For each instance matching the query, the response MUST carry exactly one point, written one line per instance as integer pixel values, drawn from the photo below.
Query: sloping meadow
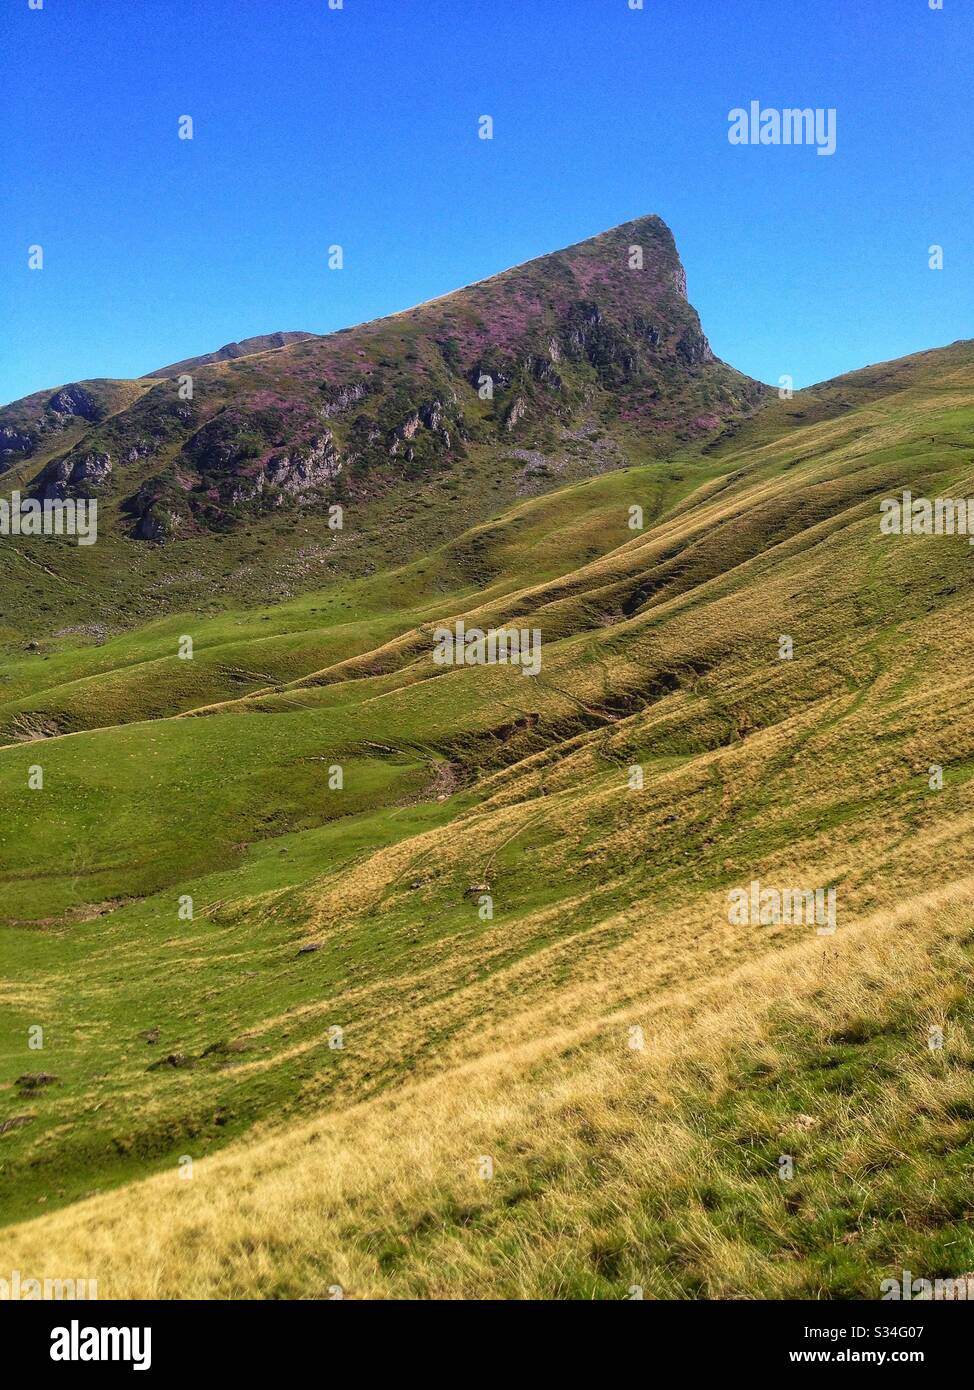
(431, 973)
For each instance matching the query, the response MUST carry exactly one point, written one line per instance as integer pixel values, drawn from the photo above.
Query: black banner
(167, 1338)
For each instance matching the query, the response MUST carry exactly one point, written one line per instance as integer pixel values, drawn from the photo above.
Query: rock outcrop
(73, 400)
(303, 471)
(73, 476)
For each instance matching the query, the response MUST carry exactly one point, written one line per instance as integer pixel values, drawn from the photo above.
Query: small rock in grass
(31, 1080)
(14, 1122)
(174, 1059)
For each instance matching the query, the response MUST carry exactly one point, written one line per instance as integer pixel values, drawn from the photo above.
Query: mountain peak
(641, 243)
(634, 266)
(595, 341)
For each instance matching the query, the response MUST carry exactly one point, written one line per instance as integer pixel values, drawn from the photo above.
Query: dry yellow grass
(384, 1198)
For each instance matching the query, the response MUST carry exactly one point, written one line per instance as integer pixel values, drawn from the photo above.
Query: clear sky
(359, 126)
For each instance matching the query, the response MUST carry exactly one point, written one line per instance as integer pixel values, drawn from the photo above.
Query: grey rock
(516, 413)
(157, 524)
(73, 400)
(302, 471)
(432, 415)
(73, 473)
(341, 399)
(174, 1059)
(14, 442)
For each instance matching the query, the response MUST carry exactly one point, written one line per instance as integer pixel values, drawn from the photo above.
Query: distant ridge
(264, 342)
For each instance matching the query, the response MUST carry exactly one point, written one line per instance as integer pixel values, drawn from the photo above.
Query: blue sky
(359, 127)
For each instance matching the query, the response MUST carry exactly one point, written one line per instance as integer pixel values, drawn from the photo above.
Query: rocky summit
(590, 350)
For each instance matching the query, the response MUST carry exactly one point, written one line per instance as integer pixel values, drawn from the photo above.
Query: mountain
(578, 362)
(247, 347)
(432, 970)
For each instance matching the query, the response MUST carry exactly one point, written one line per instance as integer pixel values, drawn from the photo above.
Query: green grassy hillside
(341, 1032)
